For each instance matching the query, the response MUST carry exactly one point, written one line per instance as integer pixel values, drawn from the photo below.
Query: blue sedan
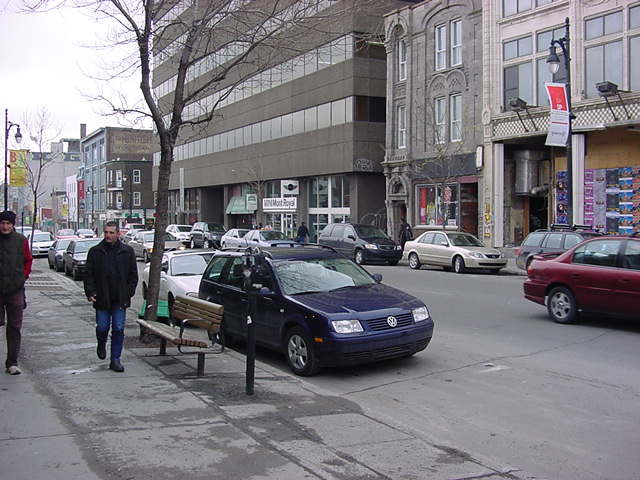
(319, 308)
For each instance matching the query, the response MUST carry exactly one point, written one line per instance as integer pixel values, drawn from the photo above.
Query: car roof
(294, 252)
(186, 253)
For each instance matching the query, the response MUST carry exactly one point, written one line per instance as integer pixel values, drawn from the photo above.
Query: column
(498, 194)
(577, 160)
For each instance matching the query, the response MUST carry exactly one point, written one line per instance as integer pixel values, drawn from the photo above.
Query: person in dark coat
(303, 233)
(405, 233)
(15, 268)
(109, 283)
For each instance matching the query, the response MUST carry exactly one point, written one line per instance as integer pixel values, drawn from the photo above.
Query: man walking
(109, 283)
(15, 268)
(303, 233)
(405, 233)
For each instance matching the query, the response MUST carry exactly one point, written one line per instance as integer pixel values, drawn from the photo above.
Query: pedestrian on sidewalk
(110, 281)
(405, 233)
(302, 234)
(15, 268)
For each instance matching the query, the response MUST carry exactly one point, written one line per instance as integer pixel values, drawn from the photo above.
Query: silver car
(265, 238)
(452, 250)
(142, 244)
(234, 238)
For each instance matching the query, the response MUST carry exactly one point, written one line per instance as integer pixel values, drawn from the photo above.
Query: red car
(599, 275)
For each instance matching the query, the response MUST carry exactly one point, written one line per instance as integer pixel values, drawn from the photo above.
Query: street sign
(558, 134)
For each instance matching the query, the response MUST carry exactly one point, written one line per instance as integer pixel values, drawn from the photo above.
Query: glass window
(553, 240)
(603, 25)
(634, 17)
(533, 240)
(440, 44)
(316, 223)
(310, 62)
(323, 192)
(544, 75)
(246, 135)
(440, 108)
(338, 50)
(456, 42)
(631, 257)
(455, 127)
(338, 231)
(298, 122)
(570, 240)
(603, 253)
(401, 140)
(603, 62)
(136, 176)
(287, 125)
(634, 67)
(265, 130)
(544, 38)
(511, 7)
(518, 82)
(348, 110)
(402, 59)
(338, 112)
(233, 276)
(310, 119)
(324, 115)
(276, 127)
(324, 56)
(427, 238)
(518, 48)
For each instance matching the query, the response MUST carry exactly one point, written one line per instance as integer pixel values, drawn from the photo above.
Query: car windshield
(216, 227)
(63, 244)
(189, 264)
(42, 237)
(242, 233)
(84, 231)
(148, 237)
(320, 275)
(183, 228)
(370, 232)
(65, 232)
(464, 240)
(272, 235)
(83, 247)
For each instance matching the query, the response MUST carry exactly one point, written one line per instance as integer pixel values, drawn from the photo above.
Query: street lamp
(553, 63)
(18, 137)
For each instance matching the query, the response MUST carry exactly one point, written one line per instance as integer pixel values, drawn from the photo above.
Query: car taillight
(518, 251)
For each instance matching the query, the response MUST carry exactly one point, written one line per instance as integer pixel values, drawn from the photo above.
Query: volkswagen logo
(392, 321)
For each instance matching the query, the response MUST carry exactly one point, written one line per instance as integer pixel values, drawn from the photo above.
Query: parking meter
(252, 272)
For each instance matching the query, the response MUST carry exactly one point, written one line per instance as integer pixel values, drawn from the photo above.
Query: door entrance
(538, 213)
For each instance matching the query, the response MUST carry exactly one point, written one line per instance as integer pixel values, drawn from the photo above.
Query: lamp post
(18, 137)
(554, 65)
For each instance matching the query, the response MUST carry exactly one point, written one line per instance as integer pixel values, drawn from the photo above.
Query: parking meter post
(251, 341)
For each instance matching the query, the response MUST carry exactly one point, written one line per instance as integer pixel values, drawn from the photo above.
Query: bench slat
(172, 334)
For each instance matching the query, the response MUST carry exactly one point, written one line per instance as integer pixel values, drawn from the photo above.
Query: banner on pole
(18, 166)
(558, 134)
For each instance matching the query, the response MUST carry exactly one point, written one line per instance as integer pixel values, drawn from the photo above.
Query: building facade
(71, 188)
(301, 140)
(525, 183)
(116, 177)
(434, 80)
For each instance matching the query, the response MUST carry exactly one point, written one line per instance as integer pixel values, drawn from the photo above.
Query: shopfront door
(289, 227)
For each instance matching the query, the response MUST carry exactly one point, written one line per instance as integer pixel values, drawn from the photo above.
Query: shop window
(316, 223)
(319, 192)
(438, 204)
(340, 194)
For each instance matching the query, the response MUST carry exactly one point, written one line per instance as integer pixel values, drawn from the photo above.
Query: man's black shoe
(102, 350)
(116, 366)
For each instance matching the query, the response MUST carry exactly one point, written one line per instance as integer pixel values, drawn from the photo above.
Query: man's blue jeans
(114, 319)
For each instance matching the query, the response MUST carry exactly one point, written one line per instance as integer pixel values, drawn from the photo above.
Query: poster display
(611, 199)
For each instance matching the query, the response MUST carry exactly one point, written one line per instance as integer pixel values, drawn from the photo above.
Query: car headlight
(476, 255)
(347, 326)
(420, 314)
(371, 246)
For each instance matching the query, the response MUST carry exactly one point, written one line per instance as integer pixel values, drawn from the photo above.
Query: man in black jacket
(109, 283)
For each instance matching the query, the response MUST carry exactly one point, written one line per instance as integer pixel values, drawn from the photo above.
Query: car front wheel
(414, 261)
(458, 265)
(301, 356)
(561, 305)
(359, 258)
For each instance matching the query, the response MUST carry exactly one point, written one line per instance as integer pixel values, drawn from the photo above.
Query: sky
(45, 61)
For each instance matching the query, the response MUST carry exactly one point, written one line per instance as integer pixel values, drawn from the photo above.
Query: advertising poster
(635, 173)
(561, 198)
(599, 199)
(589, 204)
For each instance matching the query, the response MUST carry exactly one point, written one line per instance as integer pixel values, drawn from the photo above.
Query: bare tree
(230, 40)
(42, 131)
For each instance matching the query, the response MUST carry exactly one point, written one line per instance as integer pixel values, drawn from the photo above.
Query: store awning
(237, 206)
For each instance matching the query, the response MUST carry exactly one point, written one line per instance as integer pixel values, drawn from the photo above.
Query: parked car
(66, 233)
(264, 238)
(128, 236)
(181, 232)
(319, 308)
(135, 226)
(26, 231)
(41, 243)
(180, 275)
(556, 239)
(142, 244)
(599, 275)
(234, 238)
(459, 251)
(75, 257)
(56, 253)
(85, 233)
(363, 243)
(207, 235)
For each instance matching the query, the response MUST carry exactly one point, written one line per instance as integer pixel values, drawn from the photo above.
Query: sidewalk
(69, 417)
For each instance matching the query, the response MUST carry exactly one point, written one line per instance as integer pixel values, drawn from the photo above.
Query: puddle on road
(70, 347)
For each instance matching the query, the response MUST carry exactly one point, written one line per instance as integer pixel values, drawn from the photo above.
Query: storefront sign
(251, 201)
(290, 187)
(558, 134)
(279, 204)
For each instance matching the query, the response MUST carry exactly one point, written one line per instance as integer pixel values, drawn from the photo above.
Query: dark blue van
(319, 308)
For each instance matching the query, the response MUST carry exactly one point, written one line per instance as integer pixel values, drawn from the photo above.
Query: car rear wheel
(458, 264)
(301, 356)
(414, 261)
(359, 257)
(561, 305)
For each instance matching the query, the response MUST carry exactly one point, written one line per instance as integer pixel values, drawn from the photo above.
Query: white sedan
(41, 243)
(180, 275)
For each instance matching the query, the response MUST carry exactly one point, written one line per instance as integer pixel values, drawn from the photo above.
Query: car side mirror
(351, 237)
(444, 244)
(377, 277)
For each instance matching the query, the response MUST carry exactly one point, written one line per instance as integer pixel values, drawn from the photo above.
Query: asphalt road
(502, 381)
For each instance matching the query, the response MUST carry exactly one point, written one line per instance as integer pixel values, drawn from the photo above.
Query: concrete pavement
(69, 417)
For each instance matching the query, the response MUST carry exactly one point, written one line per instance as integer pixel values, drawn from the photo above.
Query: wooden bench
(205, 316)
